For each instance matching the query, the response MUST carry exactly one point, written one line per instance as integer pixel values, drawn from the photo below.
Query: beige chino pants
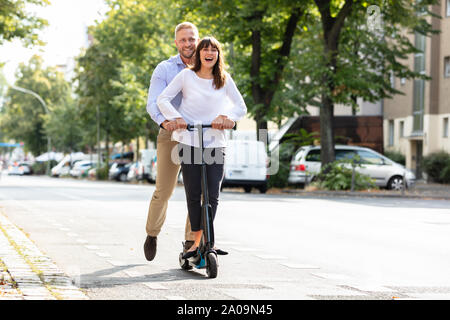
(166, 181)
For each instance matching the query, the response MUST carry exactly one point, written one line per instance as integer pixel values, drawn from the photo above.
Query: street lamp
(34, 94)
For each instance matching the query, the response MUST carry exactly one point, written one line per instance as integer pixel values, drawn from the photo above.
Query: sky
(65, 34)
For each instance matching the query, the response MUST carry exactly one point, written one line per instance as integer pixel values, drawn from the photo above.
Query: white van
(246, 165)
(66, 164)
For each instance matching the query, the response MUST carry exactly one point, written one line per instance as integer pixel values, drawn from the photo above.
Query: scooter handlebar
(191, 127)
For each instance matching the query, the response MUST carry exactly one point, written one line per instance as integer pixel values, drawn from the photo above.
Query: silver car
(306, 163)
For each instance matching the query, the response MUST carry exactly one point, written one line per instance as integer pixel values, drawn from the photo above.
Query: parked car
(81, 168)
(246, 165)
(19, 168)
(68, 162)
(147, 168)
(119, 171)
(306, 164)
(133, 172)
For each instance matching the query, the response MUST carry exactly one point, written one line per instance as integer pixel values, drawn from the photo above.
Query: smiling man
(186, 40)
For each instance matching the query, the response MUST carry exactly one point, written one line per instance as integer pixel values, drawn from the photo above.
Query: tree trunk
(332, 27)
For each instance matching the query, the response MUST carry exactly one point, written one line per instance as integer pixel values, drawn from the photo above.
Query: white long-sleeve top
(201, 103)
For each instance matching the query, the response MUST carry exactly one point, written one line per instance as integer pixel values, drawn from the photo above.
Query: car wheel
(247, 189)
(123, 177)
(263, 188)
(395, 183)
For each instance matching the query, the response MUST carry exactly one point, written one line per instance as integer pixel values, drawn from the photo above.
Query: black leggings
(191, 170)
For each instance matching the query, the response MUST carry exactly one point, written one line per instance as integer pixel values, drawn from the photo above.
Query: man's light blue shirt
(163, 74)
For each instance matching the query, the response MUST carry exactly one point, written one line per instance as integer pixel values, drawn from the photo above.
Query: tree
(358, 62)
(259, 35)
(141, 35)
(96, 71)
(65, 127)
(22, 117)
(15, 22)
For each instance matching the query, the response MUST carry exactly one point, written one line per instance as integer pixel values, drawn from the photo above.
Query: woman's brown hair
(218, 69)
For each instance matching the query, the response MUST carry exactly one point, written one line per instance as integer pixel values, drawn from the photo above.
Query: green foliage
(96, 72)
(279, 180)
(41, 167)
(259, 36)
(102, 172)
(287, 150)
(337, 175)
(437, 166)
(396, 156)
(16, 23)
(23, 117)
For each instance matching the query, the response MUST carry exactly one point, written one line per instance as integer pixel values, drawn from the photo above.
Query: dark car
(119, 171)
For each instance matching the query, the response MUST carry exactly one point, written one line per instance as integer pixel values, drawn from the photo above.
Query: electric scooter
(207, 256)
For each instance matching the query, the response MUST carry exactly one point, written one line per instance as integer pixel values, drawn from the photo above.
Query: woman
(205, 88)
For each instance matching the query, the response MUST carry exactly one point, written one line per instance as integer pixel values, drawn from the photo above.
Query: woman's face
(209, 56)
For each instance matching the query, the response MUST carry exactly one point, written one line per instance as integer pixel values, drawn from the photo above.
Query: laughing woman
(205, 88)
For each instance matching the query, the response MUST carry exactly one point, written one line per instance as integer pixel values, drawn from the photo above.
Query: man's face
(186, 42)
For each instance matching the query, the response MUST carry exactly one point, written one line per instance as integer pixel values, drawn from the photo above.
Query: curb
(27, 273)
(365, 195)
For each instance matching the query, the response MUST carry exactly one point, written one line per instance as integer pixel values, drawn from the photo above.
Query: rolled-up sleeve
(239, 109)
(157, 84)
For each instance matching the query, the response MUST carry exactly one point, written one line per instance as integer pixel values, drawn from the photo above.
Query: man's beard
(186, 56)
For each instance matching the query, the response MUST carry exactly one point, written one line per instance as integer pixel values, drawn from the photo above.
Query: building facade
(417, 123)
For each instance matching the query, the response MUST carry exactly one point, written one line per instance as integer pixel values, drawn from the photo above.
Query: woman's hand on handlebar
(180, 123)
(222, 122)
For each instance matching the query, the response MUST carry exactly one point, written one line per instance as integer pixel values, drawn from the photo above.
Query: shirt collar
(178, 60)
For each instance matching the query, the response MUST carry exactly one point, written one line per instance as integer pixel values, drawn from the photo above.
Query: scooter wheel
(184, 264)
(211, 265)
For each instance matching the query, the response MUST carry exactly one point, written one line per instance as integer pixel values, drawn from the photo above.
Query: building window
(403, 80)
(447, 66)
(402, 129)
(392, 79)
(419, 84)
(391, 132)
(445, 128)
(448, 8)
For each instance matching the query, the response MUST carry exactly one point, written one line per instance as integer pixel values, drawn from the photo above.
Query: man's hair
(186, 25)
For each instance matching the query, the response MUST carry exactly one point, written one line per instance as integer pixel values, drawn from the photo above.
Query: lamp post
(34, 94)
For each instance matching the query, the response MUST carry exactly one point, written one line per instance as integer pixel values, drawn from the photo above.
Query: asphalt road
(281, 246)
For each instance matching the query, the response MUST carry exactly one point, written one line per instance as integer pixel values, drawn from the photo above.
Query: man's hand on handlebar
(222, 122)
(172, 125)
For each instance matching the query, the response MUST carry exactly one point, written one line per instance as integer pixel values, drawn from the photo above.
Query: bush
(437, 166)
(396, 157)
(279, 180)
(102, 173)
(292, 142)
(338, 176)
(41, 167)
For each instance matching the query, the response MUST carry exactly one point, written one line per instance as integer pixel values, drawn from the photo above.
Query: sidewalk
(422, 190)
(26, 273)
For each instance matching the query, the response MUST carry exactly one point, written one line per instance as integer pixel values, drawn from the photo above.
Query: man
(186, 40)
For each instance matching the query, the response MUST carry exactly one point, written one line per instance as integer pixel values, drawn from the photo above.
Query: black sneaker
(150, 248)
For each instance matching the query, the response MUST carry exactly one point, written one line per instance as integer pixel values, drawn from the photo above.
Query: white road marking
(331, 276)
(103, 254)
(175, 298)
(157, 286)
(299, 266)
(73, 234)
(116, 263)
(270, 257)
(92, 247)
